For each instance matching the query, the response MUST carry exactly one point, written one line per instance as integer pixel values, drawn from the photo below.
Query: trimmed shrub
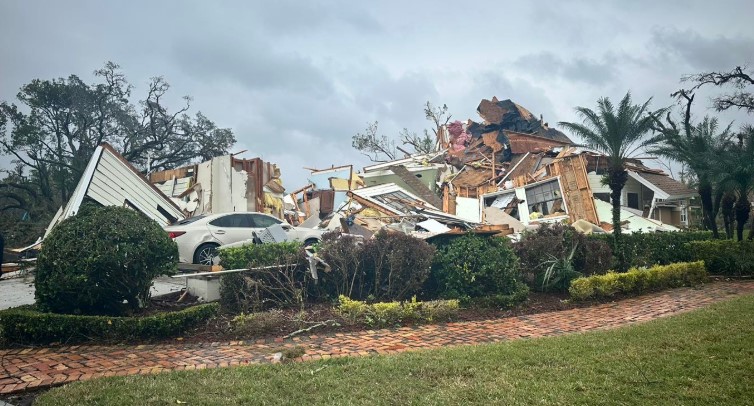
(255, 324)
(285, 284)
(639, 280)
(554, 254)
(95, 261)
(647, 249)
(383, 314)
(29, 326)
(724, 257)
(472, 267)
(390, 266)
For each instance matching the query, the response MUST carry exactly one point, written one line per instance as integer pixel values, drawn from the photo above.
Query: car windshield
(190, 220)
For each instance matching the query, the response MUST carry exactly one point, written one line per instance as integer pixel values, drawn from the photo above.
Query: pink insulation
(459, 137)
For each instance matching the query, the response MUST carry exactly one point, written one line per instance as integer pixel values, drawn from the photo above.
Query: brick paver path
(24, 369)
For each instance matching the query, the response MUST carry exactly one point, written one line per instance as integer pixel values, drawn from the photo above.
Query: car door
(231, 228)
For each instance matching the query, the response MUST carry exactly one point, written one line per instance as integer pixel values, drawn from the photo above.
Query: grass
(699, 358)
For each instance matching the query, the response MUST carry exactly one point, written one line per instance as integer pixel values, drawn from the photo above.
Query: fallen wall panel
(111, 181)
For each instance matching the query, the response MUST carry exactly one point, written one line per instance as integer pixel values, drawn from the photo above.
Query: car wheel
(205, 254)
(310, 242)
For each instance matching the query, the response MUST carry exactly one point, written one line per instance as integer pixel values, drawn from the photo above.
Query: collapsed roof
(110, 180)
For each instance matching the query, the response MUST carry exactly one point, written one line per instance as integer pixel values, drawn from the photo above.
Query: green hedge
(639, 280)
(30, 326)
(724, 257)
(383, 314)
(478, 270)
(647, 249)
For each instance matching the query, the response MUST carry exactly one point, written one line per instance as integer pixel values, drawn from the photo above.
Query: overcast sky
(295, 80)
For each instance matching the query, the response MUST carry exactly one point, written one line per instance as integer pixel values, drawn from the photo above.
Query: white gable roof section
(111, 181)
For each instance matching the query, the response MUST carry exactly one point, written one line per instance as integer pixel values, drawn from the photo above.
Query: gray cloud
(716, 52)
(254, 64)
(295, 80)
(585, 70)
(288, 17)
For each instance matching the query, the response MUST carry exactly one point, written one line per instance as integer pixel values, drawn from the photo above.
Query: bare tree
(738, 78)
(380, 148)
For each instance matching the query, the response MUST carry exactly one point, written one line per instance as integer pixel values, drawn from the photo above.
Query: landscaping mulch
(217, 329)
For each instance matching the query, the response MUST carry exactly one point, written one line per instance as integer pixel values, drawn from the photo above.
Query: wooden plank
(199, 268)
(577, 194)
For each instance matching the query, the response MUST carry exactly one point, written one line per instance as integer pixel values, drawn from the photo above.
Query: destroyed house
(224, 184)
(501, 175)
(651, 200)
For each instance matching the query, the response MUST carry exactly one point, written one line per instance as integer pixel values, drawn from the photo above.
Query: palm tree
(617, 133)
(698, 148)
(738, 174)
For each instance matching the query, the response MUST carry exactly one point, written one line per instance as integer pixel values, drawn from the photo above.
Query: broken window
(545, 198)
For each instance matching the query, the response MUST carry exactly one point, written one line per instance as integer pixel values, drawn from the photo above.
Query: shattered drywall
(224, 184)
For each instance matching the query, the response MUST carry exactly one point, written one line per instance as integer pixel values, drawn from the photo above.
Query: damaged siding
(111, 181)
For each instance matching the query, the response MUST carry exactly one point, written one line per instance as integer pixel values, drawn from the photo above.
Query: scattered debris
(327, 323)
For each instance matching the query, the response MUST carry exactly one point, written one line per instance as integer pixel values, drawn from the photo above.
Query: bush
(724, 257)
(639, 280)
(95, 261)
(30, 326)
(390, 266)
(383, 314)
(285, 284)
(563, 251)
(344, 254)
(473, 267)
(397, 265)
(647, 249)
(256, 324)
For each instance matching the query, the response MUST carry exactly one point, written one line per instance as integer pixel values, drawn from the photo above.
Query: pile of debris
(507, 173)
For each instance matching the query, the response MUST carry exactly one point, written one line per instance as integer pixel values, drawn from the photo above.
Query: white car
(199, 237)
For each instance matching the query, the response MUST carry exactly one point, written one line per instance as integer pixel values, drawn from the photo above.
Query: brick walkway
(24, 369)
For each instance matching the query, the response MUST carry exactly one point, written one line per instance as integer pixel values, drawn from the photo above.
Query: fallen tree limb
(332, 323)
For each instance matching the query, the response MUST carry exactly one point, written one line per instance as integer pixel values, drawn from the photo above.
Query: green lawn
(705, 357)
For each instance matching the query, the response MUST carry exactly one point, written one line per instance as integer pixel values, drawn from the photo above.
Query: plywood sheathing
(576, 190)
(524, 168)
(164, 176)
(522, 143)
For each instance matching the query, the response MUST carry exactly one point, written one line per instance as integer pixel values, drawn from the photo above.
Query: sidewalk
(23, 369)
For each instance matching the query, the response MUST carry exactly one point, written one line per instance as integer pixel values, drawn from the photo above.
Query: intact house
(649, 193)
